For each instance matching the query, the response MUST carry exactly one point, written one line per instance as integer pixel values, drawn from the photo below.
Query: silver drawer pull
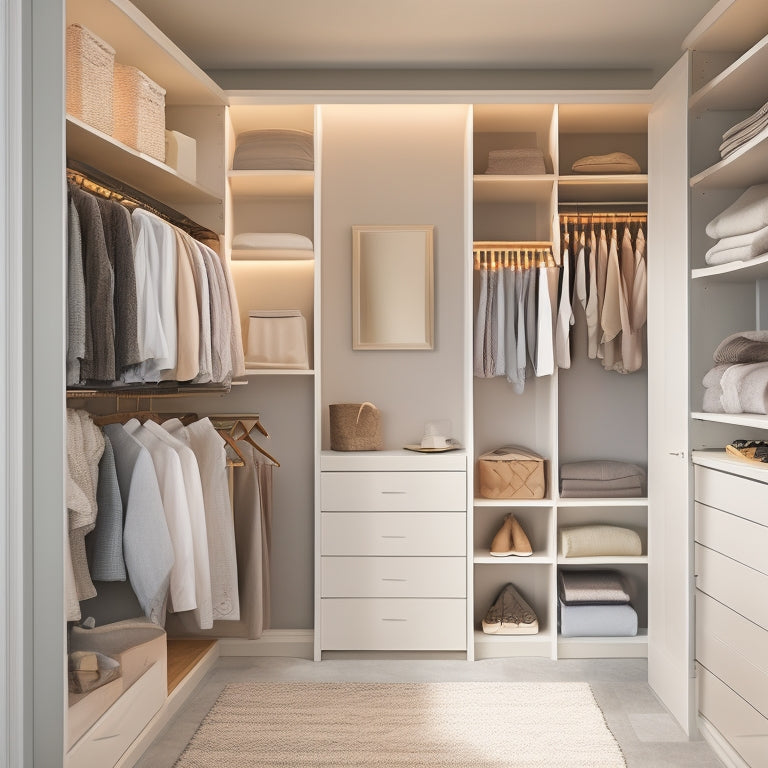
(394, 619)
(392, 536)
(384, 578)
(401, 493)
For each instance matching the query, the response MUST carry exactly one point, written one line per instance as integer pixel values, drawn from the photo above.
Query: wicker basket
(355, 427)
(512, 472)
(139, 111)
(90, 74)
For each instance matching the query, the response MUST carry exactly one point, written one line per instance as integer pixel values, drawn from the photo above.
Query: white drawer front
(118, 727)
(739, 495)
(393, 625)
(736, 537)
(394, 577)
(393, 491)
(745, 729)
(393, 533)
(734, 649)
(741, 588)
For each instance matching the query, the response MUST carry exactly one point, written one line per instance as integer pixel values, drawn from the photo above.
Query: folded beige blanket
(528, 160)
(600, 469)
(614, 162)
(747, 214)
(599, 540)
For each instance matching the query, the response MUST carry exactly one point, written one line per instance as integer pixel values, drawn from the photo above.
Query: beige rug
(377, 725)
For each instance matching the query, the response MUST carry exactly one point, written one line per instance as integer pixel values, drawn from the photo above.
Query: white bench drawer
(393, 491)
(394, 577)
(734, 536)
(741, 588)
(393, 625)
(738, 495)
(393, 534)
(734, 649)
(745, 729)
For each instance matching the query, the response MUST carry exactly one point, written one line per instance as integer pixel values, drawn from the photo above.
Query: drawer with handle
(393, 491)
(393, 533)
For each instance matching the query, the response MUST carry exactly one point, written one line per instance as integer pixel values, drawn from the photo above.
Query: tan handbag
(355, 427)
(512, 472)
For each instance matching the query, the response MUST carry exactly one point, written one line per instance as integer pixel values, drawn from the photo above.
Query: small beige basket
(90, 75)
(139, 105)
(355, 427)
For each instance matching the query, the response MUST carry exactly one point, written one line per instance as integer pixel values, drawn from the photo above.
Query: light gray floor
(648, 736)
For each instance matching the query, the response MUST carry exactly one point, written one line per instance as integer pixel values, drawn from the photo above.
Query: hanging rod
(103, 185)
(517, 245)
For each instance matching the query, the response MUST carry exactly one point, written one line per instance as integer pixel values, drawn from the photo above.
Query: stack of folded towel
(595, 604)
(528, 160)
(600, 541)
(742, 132)
(600, 479)
(741, 230)
(738, 382)
(613, 162)
(271, 245)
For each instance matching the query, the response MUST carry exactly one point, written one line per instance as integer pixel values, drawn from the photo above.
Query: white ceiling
(428, 34)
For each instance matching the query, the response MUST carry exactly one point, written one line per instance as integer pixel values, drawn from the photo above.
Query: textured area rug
(378, 725)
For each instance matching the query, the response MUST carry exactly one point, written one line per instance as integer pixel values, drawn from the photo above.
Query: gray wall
(389, 165)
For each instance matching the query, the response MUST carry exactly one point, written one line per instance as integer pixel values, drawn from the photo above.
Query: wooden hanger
(246, 438)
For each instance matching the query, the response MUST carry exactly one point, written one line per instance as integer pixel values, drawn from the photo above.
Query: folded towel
(745, 388)
(614, 162)
(714, 375)
(711, 402)
(600, 469)
(748, 213)
(743, 347)
(594, 587)
(528, 160)
(597, 620)
(271, 245)
(753, 118)
(602, 493)
(618, 483)
(274, 150)
(599, 540)
(742, 132)
(738, 247)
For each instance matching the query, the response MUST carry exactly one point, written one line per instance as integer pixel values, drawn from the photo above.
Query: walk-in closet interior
(574, 309)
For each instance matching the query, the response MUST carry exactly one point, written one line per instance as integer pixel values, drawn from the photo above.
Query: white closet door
(669, 507)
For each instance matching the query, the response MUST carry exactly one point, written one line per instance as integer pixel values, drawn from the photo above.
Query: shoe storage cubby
(580, 413)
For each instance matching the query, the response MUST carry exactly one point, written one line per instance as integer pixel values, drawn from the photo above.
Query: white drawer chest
(392, 560)
(731, 567)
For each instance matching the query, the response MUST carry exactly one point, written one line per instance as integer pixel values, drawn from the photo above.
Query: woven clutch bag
(512, 472)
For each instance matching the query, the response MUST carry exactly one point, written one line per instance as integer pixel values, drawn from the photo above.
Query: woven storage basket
(90, 74)
(355, 427)
(139, 111)
(511, 472)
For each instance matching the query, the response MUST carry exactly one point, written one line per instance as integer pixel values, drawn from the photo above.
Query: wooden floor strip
(183, 654)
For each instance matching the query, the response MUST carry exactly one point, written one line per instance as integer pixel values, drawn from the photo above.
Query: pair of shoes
(510, 615)
(511, 540)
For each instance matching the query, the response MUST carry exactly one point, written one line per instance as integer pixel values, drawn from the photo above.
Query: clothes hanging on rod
(147, 303)
(153, 508)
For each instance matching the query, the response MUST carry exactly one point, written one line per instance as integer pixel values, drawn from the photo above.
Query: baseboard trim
(719, 745)
(292, 643)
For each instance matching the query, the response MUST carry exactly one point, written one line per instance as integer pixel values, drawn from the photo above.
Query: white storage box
(139, 105)
(277, 338)
(181, 154)
(90, 75)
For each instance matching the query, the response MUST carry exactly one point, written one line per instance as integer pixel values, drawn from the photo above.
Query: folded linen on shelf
(599, 540)
(618, 484)
(742, 132)
(274, 150)
(526, 160)
(597, 620)
(613, 162)
(745, 388)
(738, 247)
(743, 347)
(596, 587)
(600, 469)
(712, 389)
(271, 245)
(602, 493)
(749, 213)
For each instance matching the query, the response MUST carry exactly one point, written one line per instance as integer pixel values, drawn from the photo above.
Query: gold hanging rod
(508, 245)
(98, 183)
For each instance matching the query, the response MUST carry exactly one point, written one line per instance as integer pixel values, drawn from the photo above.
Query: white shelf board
(735, 271)
(482, 557)
(500, 646)
(94, 148)
(482, 502)
(603, 647)
(742, 168)
(729, 26)
(603, 560)
(631, 187)
(279, 372)
(272, 183)
(498, 188)
(631, 501)
(512, 118)
(139, 43)
(726, 463)
(743, 85)
(739, 419)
